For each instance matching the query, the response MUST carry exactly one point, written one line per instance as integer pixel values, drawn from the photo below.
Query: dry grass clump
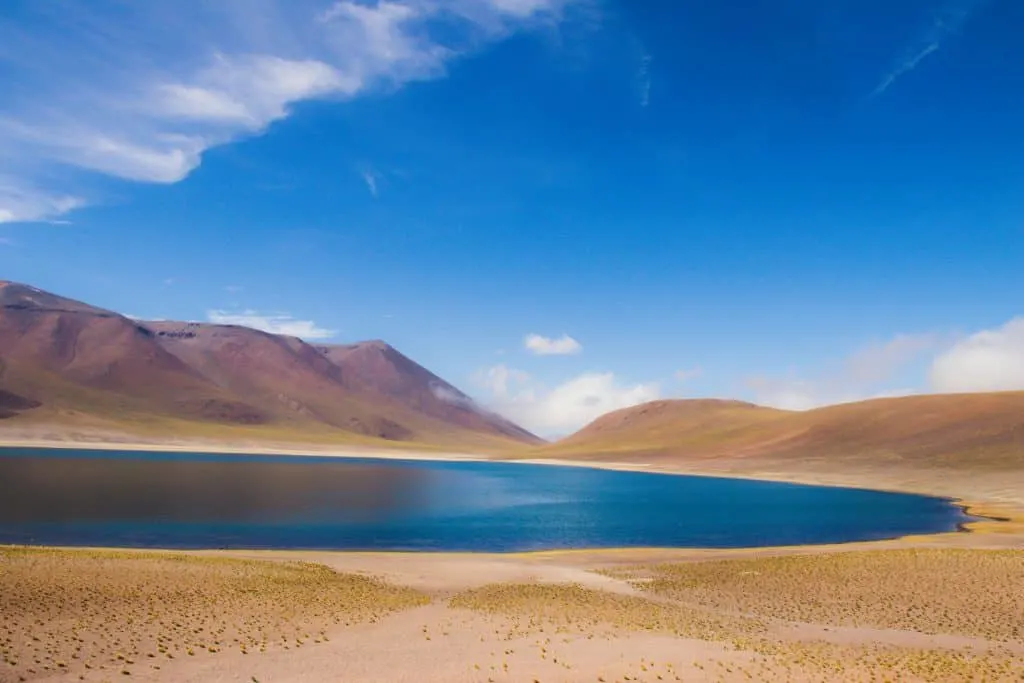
(86, 611)
(553, 610)
(883, 662)
(964, 592)
(571, 607)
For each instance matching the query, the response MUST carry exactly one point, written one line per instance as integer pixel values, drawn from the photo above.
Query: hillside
(872, 442)
(63, 362)
(695, 424)
(376, 368)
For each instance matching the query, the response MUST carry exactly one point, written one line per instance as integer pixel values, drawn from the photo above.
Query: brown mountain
(65, 354)
(62, 359)
(694, 423)
(376, 368)
(937, 435)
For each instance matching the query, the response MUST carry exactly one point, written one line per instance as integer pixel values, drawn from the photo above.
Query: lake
(196, 500)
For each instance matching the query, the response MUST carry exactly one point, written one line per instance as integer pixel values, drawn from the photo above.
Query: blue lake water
(195, 500)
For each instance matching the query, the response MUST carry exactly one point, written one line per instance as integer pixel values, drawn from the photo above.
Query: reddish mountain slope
(376, 368)
(59, 351)
(64, 357)
(283, 376)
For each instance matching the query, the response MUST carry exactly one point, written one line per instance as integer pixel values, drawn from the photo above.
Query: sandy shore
(190, 446)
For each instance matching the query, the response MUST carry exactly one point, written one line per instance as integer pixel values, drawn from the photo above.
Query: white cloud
(990, 360)
(498, 378)
(274, 323)
(248, 91)
(25, 202)
(452, 396)
(140, 91)
(563, 409)
(521, 8)
(865, 374)
(546, 346)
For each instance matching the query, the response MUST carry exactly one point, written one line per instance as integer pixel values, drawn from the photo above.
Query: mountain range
(70, 368)
(66, 362)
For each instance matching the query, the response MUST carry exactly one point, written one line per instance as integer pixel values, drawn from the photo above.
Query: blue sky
(786, 201)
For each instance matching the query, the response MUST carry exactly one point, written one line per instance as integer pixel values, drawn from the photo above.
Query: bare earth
(947, 607)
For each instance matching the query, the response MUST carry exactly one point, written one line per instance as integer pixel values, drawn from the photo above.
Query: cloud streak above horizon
(139, 91)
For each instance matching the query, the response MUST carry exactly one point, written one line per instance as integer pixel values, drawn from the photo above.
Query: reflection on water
(102, 489)
(54, 497)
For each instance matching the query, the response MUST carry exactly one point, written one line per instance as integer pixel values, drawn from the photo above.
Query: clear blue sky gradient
(751, 188)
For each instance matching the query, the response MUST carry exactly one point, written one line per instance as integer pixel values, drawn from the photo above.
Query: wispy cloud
(982, 361)
(370, 178)
(139, 91)
(274, 323)
(947, 21)
(547, 346)
(866, 373)
(644, 80)
(904, 67)
(500, 380)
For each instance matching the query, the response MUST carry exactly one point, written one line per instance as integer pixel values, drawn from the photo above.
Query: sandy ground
(92, 616)
(942, 608)
(948, 607)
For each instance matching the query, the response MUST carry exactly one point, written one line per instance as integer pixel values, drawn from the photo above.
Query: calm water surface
(196, 500)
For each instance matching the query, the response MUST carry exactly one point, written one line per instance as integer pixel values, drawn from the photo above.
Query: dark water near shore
(165, 500)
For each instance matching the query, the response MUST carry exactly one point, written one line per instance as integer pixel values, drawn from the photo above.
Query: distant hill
(909, 436)
(63, 361)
